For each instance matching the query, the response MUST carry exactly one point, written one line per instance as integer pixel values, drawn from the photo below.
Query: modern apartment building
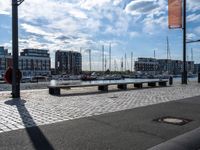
(68, 62)
(32, 62)
(147, 65)
(162, 66)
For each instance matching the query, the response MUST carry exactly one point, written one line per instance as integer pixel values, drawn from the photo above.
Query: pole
(125, 61)
(131, 61)
(122, 66)
(103, 58)
(184, 74)
(105, 63)
(110, 57)
(191, 54)
(154, 62)
(90, 60)
(15, 83)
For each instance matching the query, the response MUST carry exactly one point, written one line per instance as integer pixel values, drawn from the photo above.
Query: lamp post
(15, 83)
(184, 74)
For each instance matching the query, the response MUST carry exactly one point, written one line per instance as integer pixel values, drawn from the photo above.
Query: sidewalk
(47, 109)
(132, 129)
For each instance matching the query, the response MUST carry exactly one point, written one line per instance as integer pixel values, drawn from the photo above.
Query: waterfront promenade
(114, 120)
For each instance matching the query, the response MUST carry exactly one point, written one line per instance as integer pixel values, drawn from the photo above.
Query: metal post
(15, 83)
(131, 61)
(184, 74)
(90, 60)
(110, 57)
(154, 54)
(103, 58)
(125, 61)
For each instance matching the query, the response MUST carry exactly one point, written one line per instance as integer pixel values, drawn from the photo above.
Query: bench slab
(55, 90)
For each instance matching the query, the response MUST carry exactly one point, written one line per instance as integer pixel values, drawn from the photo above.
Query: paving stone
(41, 108)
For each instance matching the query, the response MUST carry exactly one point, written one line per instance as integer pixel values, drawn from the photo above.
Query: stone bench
(55, 90)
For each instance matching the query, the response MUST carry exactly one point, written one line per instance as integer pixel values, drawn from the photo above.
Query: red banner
(175, 14)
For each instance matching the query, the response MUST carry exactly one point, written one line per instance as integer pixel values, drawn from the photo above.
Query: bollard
(170, 80)
(199, 77)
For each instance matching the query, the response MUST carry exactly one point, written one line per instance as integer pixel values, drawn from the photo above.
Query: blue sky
(138, 26)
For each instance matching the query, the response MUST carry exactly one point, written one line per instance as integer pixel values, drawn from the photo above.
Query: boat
(88, 78)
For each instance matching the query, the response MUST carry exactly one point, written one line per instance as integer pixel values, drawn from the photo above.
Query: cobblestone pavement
(37, 107)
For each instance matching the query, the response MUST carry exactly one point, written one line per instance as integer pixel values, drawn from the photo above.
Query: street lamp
(184, 75)
(15, 81)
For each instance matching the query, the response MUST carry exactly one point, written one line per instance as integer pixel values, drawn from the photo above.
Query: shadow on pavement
(38, 139)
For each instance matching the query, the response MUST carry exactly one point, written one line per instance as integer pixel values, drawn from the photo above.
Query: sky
(138, 26)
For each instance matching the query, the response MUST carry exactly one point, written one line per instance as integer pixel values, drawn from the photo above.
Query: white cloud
(191, 36)
(34, 29)
(193, 5)
(90, 4)
(139, 7)
(5, 7)
(193, 17)
(152, 12)
(134, 34)
(117, 2)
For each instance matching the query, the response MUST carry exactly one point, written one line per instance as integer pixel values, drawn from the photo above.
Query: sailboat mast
(131, 61)
(191, 54)
(125, 61)
(90, 60)
(103, 58)
(110, 57)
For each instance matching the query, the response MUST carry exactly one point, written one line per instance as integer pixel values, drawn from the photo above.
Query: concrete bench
(55, 90)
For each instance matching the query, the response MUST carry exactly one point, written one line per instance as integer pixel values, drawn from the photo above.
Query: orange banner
(175, 14)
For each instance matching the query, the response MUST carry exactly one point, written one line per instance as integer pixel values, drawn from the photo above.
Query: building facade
(5, 60)
(147, 65)
(35, 62)
(196, 68)
(162, 66)
(68, 62)
(32, 62)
